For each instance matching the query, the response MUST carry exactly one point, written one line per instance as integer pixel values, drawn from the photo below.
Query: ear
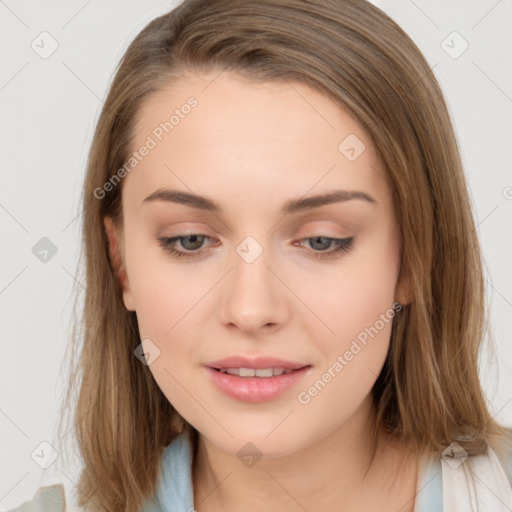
(404, 288)
(115, 249)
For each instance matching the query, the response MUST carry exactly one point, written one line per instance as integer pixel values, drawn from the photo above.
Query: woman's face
(261, 278)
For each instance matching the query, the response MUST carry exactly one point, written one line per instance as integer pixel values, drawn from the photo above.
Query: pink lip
(257, 363)
(255, 389)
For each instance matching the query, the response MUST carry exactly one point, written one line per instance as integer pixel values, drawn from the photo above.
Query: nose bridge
(253, 298)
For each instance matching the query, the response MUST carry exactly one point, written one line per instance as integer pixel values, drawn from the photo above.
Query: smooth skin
(251, 148)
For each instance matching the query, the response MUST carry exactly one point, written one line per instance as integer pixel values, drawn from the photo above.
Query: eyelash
(343, 245)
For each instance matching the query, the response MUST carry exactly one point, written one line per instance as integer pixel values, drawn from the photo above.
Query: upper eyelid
(338, 247)
(177, 238)
(316, 231)
(198, 233)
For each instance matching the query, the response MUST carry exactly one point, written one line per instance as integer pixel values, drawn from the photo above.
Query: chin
(259, 440)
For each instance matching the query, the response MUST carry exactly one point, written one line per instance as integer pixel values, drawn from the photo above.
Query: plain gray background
(49, 109)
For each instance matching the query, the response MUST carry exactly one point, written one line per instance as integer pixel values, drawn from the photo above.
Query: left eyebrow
(336, 196)
(290, 207)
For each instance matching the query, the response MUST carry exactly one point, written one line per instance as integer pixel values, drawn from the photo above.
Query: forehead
(220, 135)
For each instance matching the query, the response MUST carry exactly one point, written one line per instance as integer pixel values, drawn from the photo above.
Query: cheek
(353, 320)
(164, 304)
(163, 292)
(351, 298)
(165, 314)
(357, 342)
(353, 354)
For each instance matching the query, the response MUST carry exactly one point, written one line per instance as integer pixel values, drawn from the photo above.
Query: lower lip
(256, 389)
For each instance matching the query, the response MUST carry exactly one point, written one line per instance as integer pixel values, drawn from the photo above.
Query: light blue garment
(429, 491)
(175, 494)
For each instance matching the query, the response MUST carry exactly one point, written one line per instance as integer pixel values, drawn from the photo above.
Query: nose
(253, 297)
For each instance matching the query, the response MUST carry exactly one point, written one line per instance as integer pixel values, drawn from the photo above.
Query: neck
(337, 468)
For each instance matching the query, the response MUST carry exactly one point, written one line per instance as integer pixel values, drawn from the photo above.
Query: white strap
(475, 484)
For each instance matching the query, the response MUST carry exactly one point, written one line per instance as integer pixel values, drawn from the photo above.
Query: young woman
(284, 303)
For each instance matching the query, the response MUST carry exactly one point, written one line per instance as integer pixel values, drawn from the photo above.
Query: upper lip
(257, 363)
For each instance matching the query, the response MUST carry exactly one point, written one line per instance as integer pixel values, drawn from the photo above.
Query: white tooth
(247, 372)
(267, 372)
(250, 372)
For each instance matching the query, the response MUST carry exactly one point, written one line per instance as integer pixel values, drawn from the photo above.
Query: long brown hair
(428, 393)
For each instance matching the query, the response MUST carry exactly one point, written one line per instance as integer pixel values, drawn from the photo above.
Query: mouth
(253, 385)
(263, 373)
(255, 366)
